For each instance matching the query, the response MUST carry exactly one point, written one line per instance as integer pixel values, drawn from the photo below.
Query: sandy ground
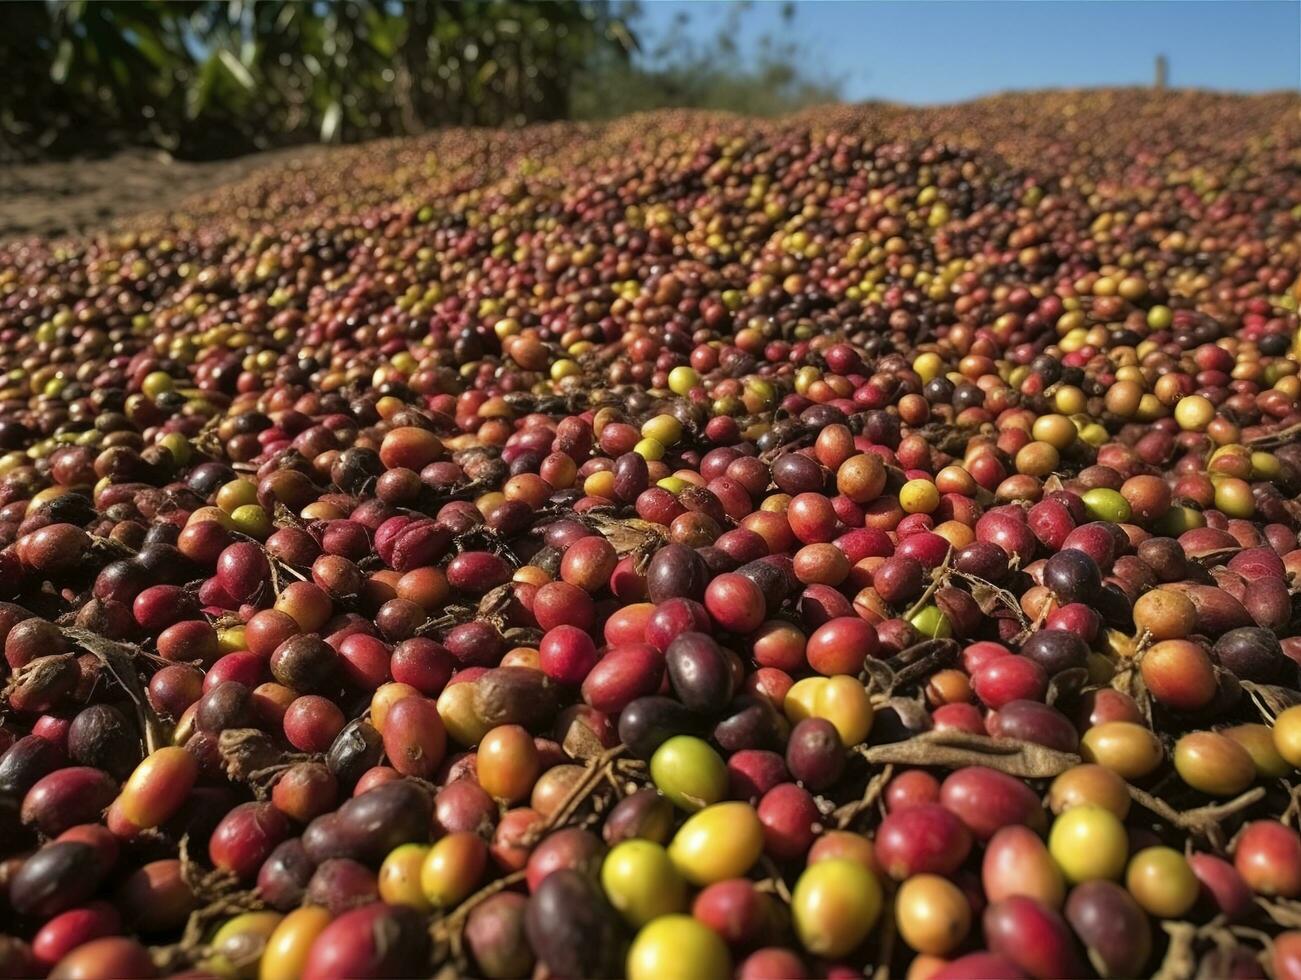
(69, 197)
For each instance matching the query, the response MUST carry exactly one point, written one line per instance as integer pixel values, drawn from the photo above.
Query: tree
(683, 69)
(221, 77)
(215, 77)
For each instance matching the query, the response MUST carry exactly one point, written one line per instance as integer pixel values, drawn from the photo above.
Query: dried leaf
(110, 547)
(580, 742)
(452, 615)
(522, 636)
(879, 676)
(282, 516)
(629, 534)
(941, 650)
(946, 438)
(206, 440)
(911, 711)
(493, 606)
(1130, 681)
(1270, 699)
(1285, 912)
(993, 600)
(548, 559)
(119, 659)
(954, 750)
(643, 553)
(1213, 557)
(251, 756)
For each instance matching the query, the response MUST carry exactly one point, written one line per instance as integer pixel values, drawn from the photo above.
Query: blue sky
(930, 51)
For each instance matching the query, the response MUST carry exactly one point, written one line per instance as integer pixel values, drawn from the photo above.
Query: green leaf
(196, 97)
(236, 70)
(148, 45)
(59, 69)
(330, 122)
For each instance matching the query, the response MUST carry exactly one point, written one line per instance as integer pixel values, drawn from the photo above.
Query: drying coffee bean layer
(863, 543)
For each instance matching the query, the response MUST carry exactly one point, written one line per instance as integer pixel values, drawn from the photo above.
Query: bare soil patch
(74, 196)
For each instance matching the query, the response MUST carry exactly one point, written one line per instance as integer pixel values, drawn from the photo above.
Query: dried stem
(938, 579)
(447, 928)
(1204, 820)
(578, 793)
(774, 876)
(847, 814)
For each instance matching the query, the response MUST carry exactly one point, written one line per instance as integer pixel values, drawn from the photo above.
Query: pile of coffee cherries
(860, 544)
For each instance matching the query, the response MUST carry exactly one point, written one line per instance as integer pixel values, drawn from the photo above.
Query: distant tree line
(204, 78)
(685, 67)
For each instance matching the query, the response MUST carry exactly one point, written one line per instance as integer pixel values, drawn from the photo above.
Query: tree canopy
(220, 77)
